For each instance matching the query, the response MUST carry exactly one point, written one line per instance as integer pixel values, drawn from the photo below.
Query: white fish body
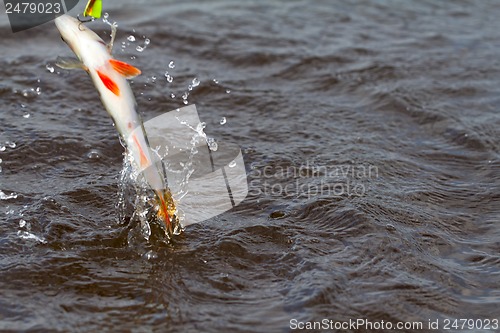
(110, 79)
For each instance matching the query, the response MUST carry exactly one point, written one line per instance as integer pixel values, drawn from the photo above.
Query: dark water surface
(370, 132)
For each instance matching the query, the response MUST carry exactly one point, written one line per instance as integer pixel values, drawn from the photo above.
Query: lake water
(370, 132)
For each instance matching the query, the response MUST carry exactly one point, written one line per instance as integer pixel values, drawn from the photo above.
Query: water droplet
(172, 95)
(200, 127)
(139, 48)
(11, 144)
(171, 64)
(22, 223)
(146, 42)
(132, 57)
(2, 148)
(222, 120)
(28, 92)
(93, 154)
(169, 77)
(228, 91)
(26, 115)
(131, 38)
(185, 95)
(38, 90)
(232, 164)
(216, 81)
(105, 16)
(153, 79)
(150, 255)
(196, 82)
(190, 87)
(50, 68)
(212, 144)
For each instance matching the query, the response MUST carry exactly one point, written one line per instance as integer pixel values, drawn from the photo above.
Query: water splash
(4, 196)
(171, 64)
(169, 77)
(222, 121)
(25, 232)
(7, 144)
(31, 92)
(185, 97)
(28, 235)
(105, 18)
(139, 48)
(137, 208)
(212, 144)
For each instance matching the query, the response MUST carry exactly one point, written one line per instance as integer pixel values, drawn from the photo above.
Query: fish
(110, 76)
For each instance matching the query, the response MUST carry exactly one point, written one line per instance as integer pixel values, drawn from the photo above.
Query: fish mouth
(65, 22)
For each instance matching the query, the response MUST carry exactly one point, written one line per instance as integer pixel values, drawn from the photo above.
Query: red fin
(144, 162)
(163, 211)
(110, 84)
(124, 69)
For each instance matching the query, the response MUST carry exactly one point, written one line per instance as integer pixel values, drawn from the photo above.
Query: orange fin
(124, 69)
(163, 211)
(144, 162)
(110, 84)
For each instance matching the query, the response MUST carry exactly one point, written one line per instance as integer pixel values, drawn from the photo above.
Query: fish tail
(166, 209)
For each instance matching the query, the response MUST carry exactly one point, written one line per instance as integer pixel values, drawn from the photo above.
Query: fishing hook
(91, 19)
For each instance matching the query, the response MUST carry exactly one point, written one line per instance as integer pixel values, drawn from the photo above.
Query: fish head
(74, 33)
